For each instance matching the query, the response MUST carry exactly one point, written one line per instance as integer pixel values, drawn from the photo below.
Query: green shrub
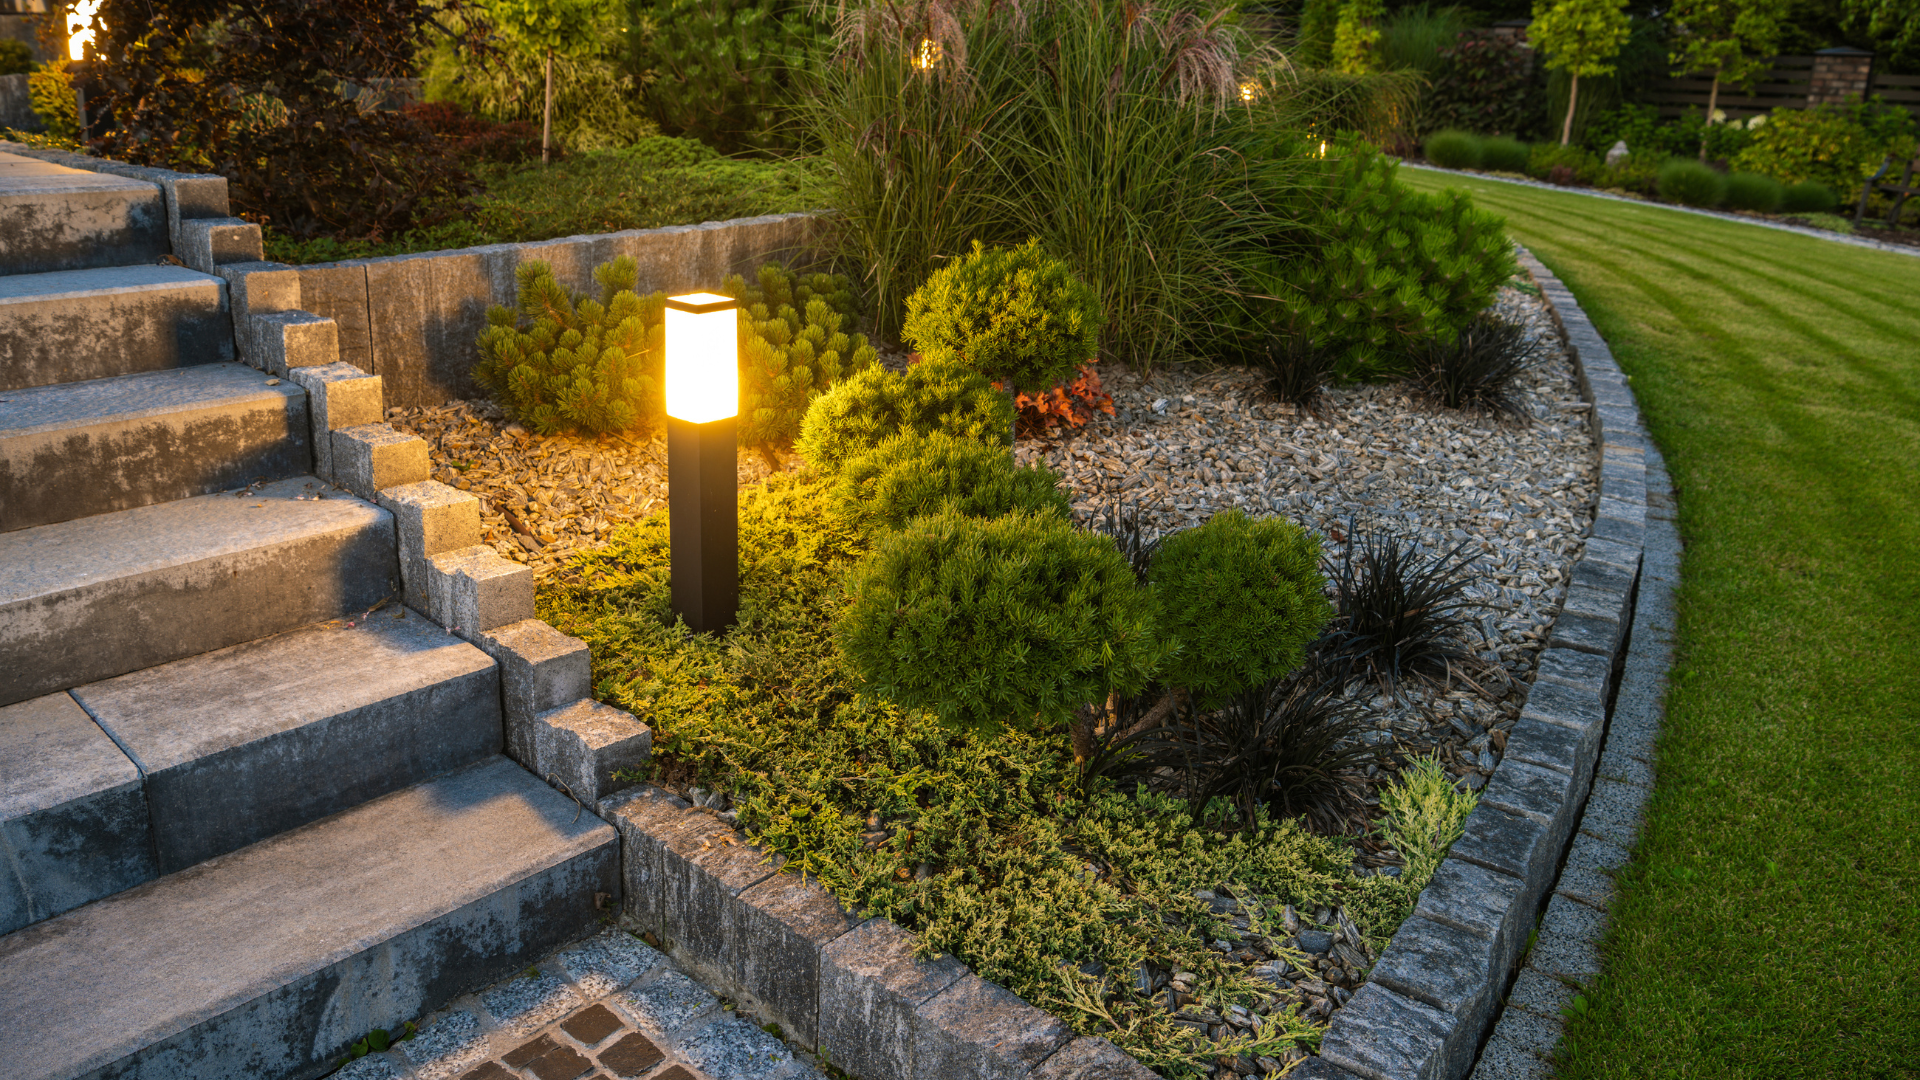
(1390, 267)
(1690, 183)
(1017, 315)
(1751, 191)
(724, 72)
(556, 364)
(1243, 596)
(1503, 153)
(915, 475)
(50, 92)
(665, 152)
(1836, 145)
(1637, 172)
(1580, 165)
(875, 405)
(16, 57)
(1809, 197)
(1453, 149)
(1012, 622)
(791, 348)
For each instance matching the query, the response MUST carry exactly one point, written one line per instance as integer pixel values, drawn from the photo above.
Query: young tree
(1734, 39)
(546, 27)
(1357, 37)
(1580, 37)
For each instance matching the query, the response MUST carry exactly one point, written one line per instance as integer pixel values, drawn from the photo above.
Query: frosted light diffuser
(703, 357)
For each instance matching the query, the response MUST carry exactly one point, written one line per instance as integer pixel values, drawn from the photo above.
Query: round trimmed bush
(861, 412)
(1453, 149)
(917, 475)
(1016, 621)
(1017, 315)
(1751, 191)
(1690, 183)
(1503, 153)
(1809, 197)
(1244, 598)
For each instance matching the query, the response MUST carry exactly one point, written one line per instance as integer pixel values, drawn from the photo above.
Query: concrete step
(76, 325)
(77, 449)
(56, 218)
(85, 600)
(267, 962)
(245, 742)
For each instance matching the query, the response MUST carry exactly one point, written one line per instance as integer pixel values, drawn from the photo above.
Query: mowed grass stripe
(1770, 923)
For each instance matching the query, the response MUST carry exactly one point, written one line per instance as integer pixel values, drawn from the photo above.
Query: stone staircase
(258, 676)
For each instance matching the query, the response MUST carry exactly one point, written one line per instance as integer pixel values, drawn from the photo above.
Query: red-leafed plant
(476, 138)
(1069, 403)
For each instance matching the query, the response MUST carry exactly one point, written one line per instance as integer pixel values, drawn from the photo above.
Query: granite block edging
(834, 981)
(1443, 983)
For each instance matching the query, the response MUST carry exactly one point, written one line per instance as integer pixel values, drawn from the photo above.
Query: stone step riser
(90, 599)
(52, 218)
(268, 962)
(73, 451)
(93, 324)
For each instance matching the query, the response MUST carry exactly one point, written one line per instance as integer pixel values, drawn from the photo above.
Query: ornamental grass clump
(1009, 623)
(555, 364)
(1400, 613)
(1809, 197)
(1504, 153)
(876, 404)
(1298, 369)
(1453, 149)
(1017, 315)
(1751, 191)
(917, 475)
(1243, 597)
(792, 348)
(1480, 369)
(1690, 183)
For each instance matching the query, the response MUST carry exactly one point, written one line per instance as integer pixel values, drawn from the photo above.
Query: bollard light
(703, 403)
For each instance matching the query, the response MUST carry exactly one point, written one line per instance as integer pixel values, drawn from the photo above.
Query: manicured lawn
(1770, 925)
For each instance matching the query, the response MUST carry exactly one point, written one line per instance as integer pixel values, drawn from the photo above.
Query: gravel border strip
(1804, 230)
(1441, 983)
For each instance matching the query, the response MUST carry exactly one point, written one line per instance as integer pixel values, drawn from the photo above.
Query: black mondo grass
(1297, 369)
(1399, 613)
(1290, 744)
(1124, 523)
(1480, 369)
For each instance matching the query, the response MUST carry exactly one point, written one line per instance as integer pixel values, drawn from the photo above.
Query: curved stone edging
(1441, 981)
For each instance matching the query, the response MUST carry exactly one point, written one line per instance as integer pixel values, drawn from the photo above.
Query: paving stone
(870, 988)
(338, 396)
(1090, 1057)
(1504, 1059)
(1530, 791)
(1619, 766)
(1569, 940)
(525, 1005)
(492, 1070)
(1586, 633)
(530, 1050)
(647, 818)
(1594, 888)
(1584, 672)
(1613, 553)
(1615, 812)
(429, 518)
(1600, 602)
(630, 1056)
(703, 867)
(448, 1047)
(582, 745)
(975, 1028)
(291, 340)
(560, 1063)
(1513, 845)
(473, 589)
(676, 1072)
(1549, 746)
(608, 962)
(1382, 1034)
(541, 669)
(371, 1067)
(777, 932)
(1538, 993)
(592, 1025)
(1479, 901)
(1593, 853)
(372, 457)
(732, 1049)
(669, 1002)
(1444, 966)
(1630, 533)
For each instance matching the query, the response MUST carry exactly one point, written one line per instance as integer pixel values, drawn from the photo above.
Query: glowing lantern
(703, 404)
(80, 28)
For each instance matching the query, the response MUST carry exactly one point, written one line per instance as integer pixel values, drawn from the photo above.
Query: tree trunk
(1713, 99)
(546, 116)
(1573, 98)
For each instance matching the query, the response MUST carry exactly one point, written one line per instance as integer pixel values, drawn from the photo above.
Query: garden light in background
(703, 405)
(80, 28)
(926, 54)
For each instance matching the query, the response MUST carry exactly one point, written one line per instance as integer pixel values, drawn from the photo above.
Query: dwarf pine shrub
(875, 405)
(1243, 596)
(792, 347)
(916, 475)
(1013, 622)
(555, 363)
(1018, 315)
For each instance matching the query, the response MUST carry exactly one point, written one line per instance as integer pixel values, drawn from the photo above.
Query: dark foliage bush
(1017, 315)
(1751, 191)
(1453, 149)
(1690, 183)
(1503, 153)
(1243, 597)
(1480, 369)
(1014, 622)
(475, 138)
(1400, 613)
(1809, 197)
(916, 475)
(1298, 369)
(1486, 83)
(792, 348)
(725, 72)
(253, 92)
(876, 404)
(1287, 745)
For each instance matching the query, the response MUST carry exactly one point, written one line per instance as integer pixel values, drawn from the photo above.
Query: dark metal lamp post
(703, 405)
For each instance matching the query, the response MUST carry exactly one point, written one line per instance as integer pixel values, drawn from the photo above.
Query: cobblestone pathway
(608, 1007)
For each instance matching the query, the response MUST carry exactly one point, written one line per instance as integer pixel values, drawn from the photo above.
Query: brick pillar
(1839, 74)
